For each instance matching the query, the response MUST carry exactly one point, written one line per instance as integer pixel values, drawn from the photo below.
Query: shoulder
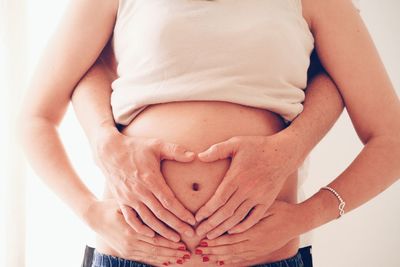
(315, 11)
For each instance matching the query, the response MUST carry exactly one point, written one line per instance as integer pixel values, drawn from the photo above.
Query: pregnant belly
(197, 125)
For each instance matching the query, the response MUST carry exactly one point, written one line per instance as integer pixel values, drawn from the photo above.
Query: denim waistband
(295, 261)
(103, 260)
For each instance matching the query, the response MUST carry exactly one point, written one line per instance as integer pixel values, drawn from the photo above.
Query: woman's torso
(200, 72)
(197, 125)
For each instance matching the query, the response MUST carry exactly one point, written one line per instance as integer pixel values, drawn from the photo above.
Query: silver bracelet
(341, 204)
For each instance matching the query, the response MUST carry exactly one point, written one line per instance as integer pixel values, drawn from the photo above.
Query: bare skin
(373, 113)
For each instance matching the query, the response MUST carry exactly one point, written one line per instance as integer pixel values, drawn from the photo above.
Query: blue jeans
(94, 258)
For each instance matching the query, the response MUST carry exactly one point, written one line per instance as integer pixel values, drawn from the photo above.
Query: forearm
(92, 101)
(373, 170)
(322, 107)
(48, 158)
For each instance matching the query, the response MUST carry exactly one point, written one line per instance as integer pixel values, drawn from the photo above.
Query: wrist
(294, 139)
(89, 214)
(318, 210)
(105, 134)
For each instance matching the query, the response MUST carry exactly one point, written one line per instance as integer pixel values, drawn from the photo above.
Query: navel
(195, 187)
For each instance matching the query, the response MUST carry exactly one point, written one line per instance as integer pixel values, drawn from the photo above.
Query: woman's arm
(80, 36)
(349, 55)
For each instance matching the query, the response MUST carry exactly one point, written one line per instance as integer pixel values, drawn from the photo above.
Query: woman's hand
(107, 220)
(280, 224)
(259, 168)
(132, 168)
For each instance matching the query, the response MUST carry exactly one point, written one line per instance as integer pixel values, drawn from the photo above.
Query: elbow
(23, 129)
(29, 128)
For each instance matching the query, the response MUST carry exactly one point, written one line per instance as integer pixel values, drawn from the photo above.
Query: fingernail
(221, 262)
(186, 256)
(205, 258)
(191, 221)
(211, 236)
(189, 153)
(198, 251)
(199, 218)
(203, 244)
(165, 264)
(182, 248)
(175, 238)
(179, 261)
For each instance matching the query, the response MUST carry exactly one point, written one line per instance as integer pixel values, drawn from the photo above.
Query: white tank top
(253, 52)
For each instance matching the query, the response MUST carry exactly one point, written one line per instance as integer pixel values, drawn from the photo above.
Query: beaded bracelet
(341, 204)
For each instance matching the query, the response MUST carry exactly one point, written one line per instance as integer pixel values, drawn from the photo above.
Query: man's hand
(105, 218)
(280, 224)
(132, 168)
(259, 168)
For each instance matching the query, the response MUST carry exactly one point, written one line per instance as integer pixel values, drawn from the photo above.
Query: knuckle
(161, 213)
(167, 202)
(155, 142)
(141, 229)
(235, 139)
(141, 209)
(156, 241)
(173, 147)
(227, 212)
(212, 223)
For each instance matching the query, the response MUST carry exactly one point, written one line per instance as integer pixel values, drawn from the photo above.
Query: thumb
(176, 152)
(219, 151)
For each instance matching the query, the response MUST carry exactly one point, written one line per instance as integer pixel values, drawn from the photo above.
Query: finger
(155, 260)
(219, 151)
(162, 242)
(133, 221)
(237, 217)
(232, 249)
(224, 191)
(175, 152)
(254, 217)
(167, 217)
(162, 251)
(148, 218)
(169, 201)
(227, 239)
(225, 212)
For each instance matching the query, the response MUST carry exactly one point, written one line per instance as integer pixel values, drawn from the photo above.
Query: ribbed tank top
(253, 52)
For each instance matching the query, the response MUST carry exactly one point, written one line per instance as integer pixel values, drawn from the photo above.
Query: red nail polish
(205, 258)
(165, 264)
(179, 261)
(198, 251)
(186, 256)
(181, 248)
(203, 244)
(221, 262)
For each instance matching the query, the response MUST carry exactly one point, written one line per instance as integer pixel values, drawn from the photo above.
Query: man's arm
(323, 105)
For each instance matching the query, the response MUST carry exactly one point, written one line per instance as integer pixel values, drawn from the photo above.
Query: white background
(367, 237)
